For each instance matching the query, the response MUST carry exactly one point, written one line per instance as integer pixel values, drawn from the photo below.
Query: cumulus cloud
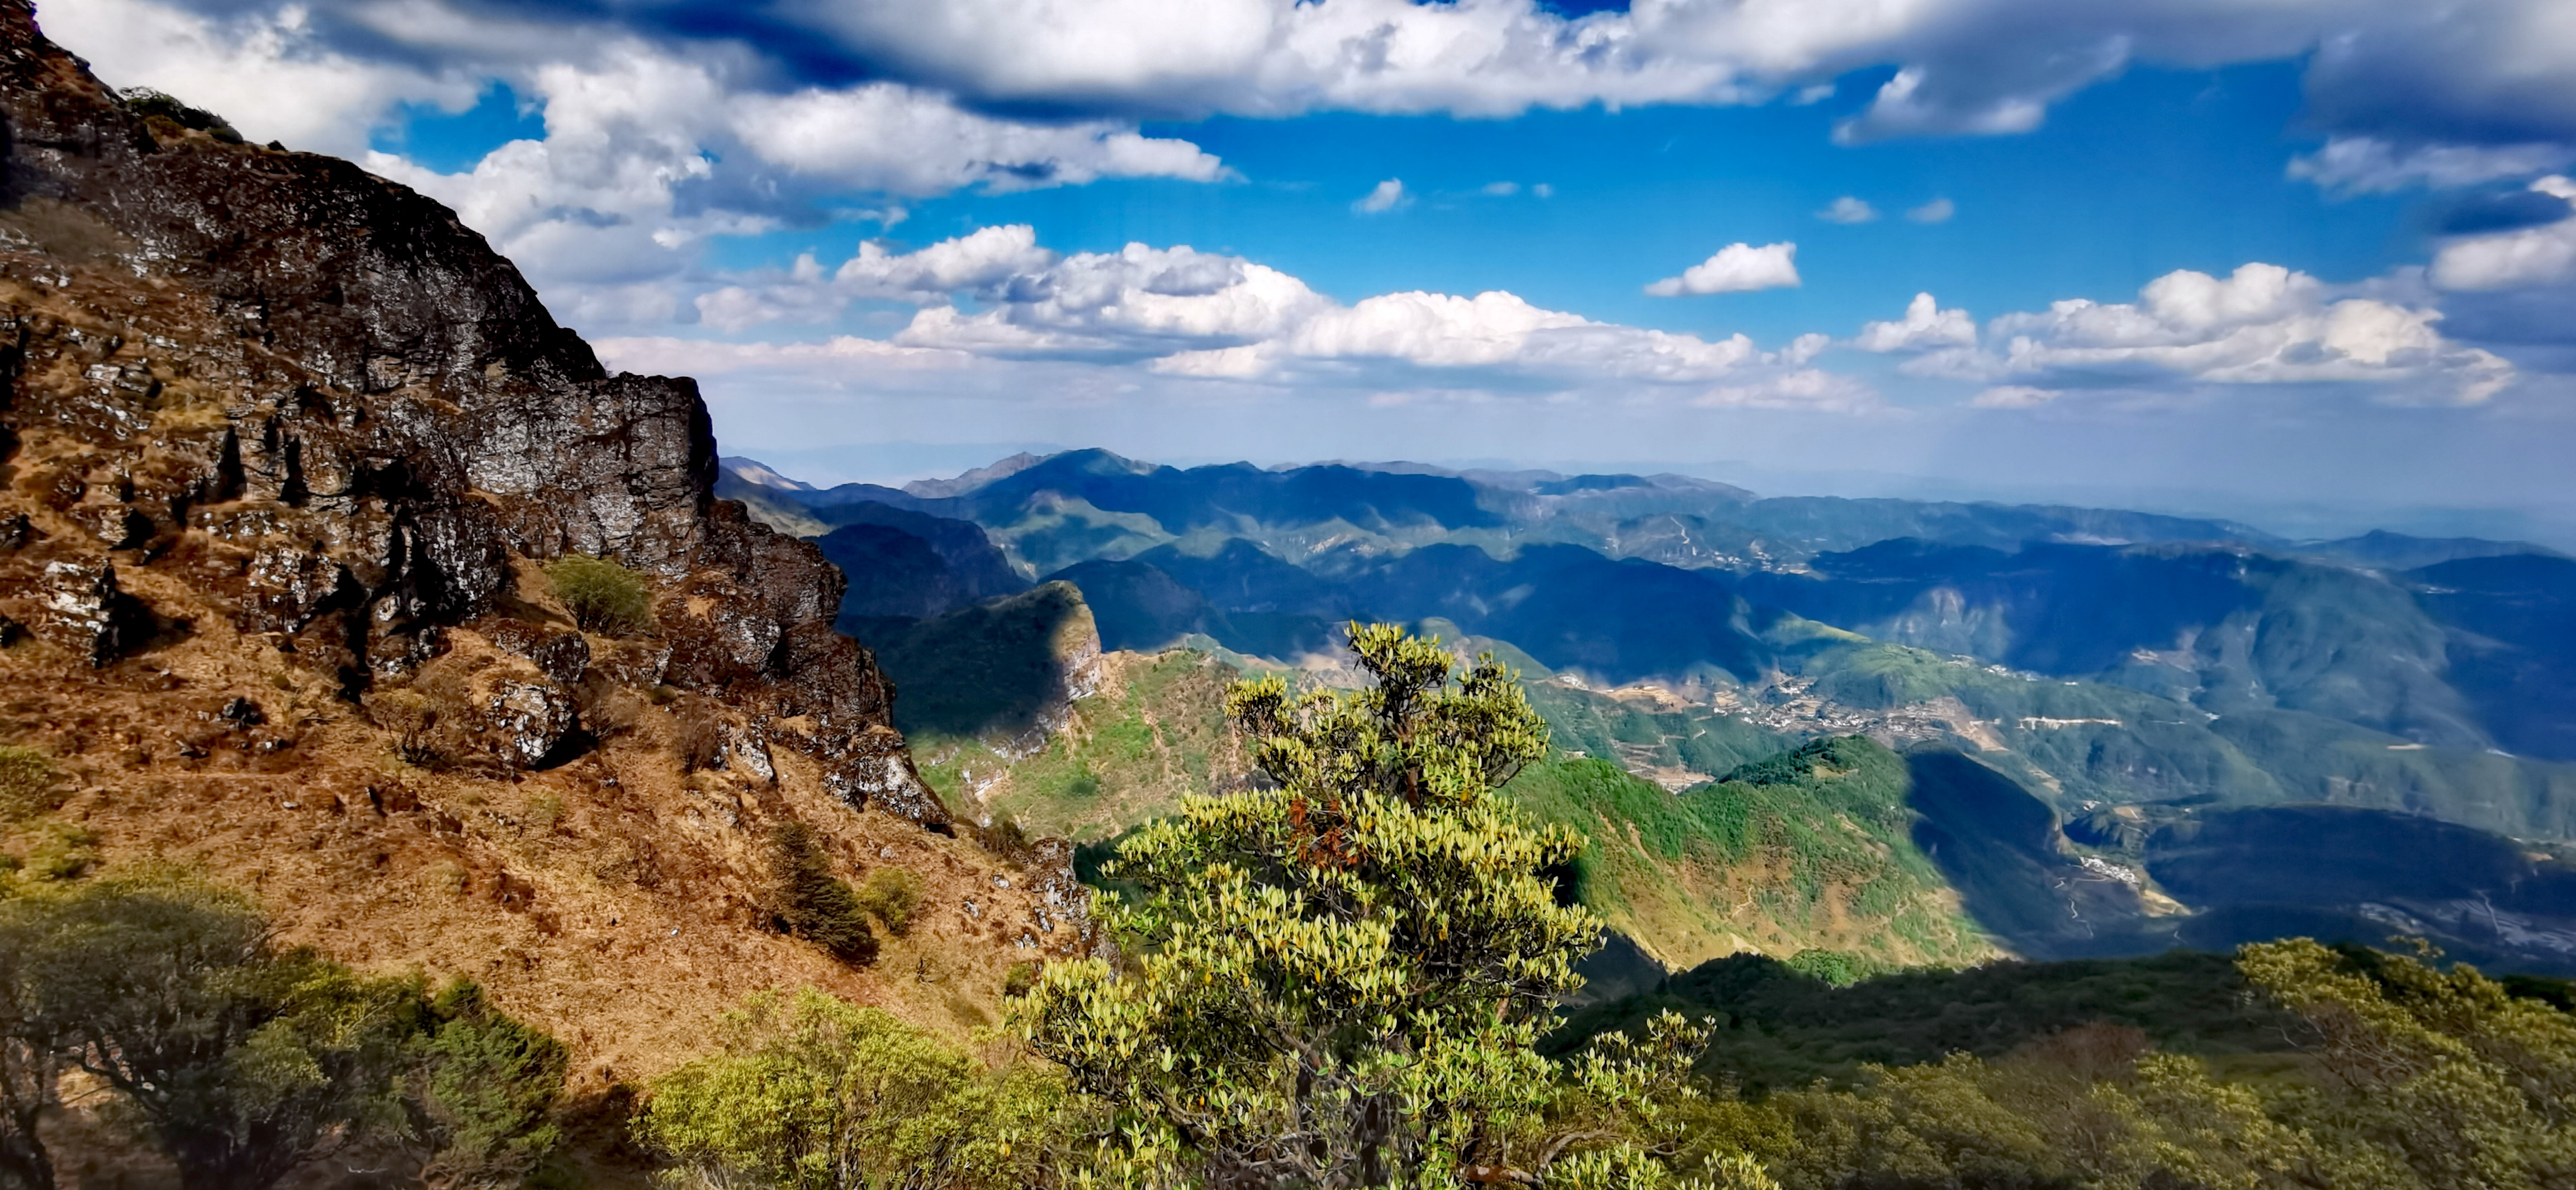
(2262, 325)
(1938, 210)
(1737, 268)
(1185, 314)
(1847, 210)
(1925, 327)
(1385, 196)
(2474, 73)
(2524, 258)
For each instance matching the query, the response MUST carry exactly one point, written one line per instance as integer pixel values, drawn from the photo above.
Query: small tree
(809, 1093)
(1337, 982)
(243, 1060)
(602, 596)
(812, 903)
(486, 1085)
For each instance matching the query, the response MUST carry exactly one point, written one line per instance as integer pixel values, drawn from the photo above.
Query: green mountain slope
(1811, 849)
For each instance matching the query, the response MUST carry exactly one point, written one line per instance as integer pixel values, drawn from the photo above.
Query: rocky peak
(341, 424)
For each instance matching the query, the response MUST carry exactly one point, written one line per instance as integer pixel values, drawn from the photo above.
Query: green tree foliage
(2468, 1085)
(812, 903)
(2390, 1073)
(1780, 1027)
(893, 895)
(486, 1084)
(602, 596)
(241, 1058)
(2092, 1107)
(1336, 981)
(810, 1093)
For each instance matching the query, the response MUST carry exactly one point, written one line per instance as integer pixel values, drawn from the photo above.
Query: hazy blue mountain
(913, 565)
(2512, 648)
(2398, 551)
(1089, 505)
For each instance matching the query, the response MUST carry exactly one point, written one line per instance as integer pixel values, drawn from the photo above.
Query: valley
(2065, 694)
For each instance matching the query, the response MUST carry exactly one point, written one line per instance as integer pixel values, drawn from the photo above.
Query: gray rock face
(318, 399)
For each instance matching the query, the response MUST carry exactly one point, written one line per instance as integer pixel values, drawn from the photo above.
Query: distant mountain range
(2102, 663)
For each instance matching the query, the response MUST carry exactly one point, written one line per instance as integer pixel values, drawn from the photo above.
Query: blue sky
(2308, 262)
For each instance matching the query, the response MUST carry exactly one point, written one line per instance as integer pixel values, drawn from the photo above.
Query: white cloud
(1501, 189)
(2369, 165)
(1938, 210)
(1847, 210)
(1386, 196)
(2520, 259)
(2471, 73)
(2263, 325)
(1737, 268)
(1183, 313)
(976, 261)
(1925, 326)
(667, 356)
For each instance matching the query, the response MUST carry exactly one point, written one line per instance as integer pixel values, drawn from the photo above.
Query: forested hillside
(2075, 692)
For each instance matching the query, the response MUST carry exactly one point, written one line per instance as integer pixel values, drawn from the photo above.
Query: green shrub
(814, 904)
(487, 1084)
(602, 596)
(29, 783)
(809, 1093)
(893, 895)
(1840, 968)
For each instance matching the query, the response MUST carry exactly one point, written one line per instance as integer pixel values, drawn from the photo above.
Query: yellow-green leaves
(810, 1093)
(1335, 981)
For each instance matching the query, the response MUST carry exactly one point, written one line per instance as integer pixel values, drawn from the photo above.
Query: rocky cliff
(283, 449)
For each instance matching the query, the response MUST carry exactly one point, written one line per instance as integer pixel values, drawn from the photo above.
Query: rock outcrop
(346, 423)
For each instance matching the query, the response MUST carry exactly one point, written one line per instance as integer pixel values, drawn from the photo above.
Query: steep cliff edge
(283, 449)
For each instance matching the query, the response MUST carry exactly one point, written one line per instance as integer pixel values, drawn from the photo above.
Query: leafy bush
(29, 783)
(893, 895)
(487, 1084)
(813, 904)
(809, 1093)
(602, 596)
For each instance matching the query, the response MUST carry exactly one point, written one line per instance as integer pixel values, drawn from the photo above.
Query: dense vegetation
(1811, 848)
